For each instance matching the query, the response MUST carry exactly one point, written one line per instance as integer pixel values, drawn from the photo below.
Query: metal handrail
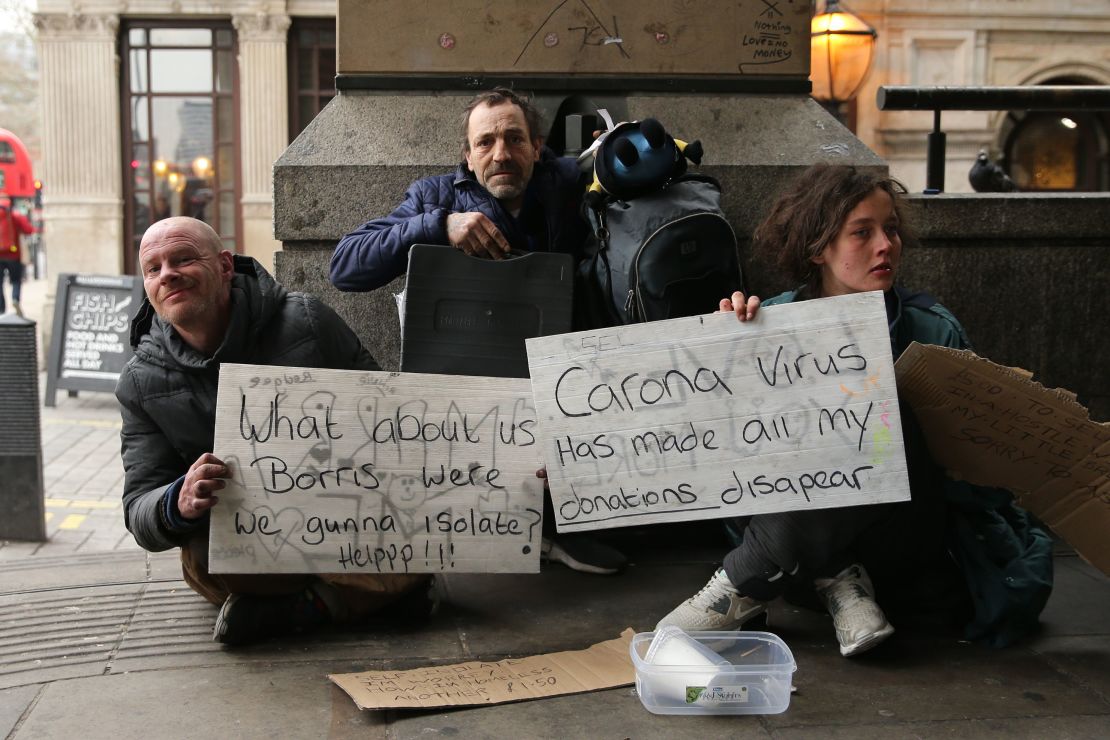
(937, 99)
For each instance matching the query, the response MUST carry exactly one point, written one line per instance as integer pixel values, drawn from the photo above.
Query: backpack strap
(602, 233)
(594, 307)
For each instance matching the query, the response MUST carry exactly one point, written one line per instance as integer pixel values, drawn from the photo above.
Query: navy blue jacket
(550, 220)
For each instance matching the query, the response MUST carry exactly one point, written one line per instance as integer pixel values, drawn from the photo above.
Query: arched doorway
(1058, 150)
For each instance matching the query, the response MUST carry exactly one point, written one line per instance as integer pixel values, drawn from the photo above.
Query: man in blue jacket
(509, 193)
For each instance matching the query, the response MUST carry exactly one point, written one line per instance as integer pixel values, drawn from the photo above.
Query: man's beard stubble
(509, 190)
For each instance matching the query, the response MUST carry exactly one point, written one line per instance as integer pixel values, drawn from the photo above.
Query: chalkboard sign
(92, 322)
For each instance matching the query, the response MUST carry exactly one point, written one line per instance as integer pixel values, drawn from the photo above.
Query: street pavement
(99, 639)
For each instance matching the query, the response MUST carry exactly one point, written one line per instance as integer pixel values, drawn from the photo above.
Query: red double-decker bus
(16, 180)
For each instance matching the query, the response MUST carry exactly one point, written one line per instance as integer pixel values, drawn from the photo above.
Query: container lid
(673, 646)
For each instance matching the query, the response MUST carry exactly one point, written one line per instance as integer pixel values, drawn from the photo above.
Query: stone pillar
(705, 76)
(263, 125)
(79, 85)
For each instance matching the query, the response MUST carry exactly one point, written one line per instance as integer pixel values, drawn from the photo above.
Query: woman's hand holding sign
(745, 307)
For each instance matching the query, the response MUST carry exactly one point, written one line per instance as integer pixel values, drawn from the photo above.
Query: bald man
(206, 306)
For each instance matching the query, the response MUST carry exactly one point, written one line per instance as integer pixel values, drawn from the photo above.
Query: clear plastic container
(753, 675)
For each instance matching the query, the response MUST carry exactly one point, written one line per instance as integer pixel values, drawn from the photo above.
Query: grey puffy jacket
(167, 391)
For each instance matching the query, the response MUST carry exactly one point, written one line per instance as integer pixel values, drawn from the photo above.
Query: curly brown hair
(809, 215)
(495, 97)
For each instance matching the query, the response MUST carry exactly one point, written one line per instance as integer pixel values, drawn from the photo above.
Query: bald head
(182, 227)
(187, 275)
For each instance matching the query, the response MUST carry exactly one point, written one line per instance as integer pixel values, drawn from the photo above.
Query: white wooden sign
(704, 417)
(340, 471)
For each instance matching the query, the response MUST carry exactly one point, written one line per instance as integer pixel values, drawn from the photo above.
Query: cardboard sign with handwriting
(706, 416)
(337, 471)
(600, 666)
(994, 426)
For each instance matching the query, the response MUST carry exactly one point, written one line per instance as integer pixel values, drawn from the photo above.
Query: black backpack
(662, 255)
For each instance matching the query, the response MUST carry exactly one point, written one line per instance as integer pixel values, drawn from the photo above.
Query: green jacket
(1004, 553)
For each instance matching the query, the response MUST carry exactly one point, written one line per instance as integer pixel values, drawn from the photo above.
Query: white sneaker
(718, 606)
(850, 598)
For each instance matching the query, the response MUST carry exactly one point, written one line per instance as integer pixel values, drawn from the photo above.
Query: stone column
(79, 85)
(263, 125)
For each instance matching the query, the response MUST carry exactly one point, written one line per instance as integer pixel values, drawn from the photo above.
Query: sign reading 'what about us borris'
(705, 416)
(338, 471)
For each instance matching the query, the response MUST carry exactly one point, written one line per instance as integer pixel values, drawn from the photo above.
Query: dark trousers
(892, 541)
(821, 543)
(14, 271)
(358, 594)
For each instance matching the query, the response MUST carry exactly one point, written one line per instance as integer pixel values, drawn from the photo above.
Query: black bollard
(21, 490)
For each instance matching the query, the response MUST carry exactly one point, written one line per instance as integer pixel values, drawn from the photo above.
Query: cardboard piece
(626, 37)
(339, 471)
(601, 666)
(994, 426)
(706, 416)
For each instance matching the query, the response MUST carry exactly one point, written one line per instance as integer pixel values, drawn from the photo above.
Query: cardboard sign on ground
(707, 416)
(601, 666)
(344, 471)
(994, 426)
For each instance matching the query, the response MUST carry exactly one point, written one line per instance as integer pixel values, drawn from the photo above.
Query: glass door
(180, 128)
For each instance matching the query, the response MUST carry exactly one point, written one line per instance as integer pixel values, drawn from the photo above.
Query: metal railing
(937, 99)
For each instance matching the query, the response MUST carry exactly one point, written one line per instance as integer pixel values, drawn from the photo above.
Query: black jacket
(167, 391)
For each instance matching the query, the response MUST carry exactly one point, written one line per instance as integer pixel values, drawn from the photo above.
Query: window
(311, 70)
(180, 128)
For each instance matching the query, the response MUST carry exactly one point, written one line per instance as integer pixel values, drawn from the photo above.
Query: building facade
(990, 42)
(156, 107)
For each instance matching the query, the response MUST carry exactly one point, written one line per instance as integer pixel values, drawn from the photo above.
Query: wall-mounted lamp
(841, 49)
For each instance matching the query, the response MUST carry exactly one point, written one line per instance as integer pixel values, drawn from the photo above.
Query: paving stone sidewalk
(82, 472)
(99, 639)
(82, 477)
